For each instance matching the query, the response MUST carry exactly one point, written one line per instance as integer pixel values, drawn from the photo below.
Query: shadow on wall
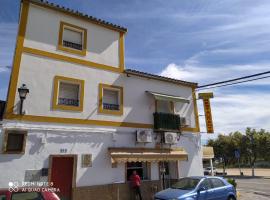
(94, 140)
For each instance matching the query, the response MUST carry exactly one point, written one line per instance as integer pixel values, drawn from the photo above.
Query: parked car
(207, 171)
(41, 195)
(199, 188)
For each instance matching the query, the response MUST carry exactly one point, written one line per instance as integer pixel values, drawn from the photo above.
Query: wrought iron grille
(68, 102)
(109, 106)
(72, 45)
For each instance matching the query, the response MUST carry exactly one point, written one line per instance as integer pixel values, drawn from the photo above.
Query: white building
(87, 119)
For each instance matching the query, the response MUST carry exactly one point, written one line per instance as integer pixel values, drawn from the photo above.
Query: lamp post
(23, 91)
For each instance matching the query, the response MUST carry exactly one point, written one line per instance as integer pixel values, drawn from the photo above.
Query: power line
(238, 82)
(236, 79)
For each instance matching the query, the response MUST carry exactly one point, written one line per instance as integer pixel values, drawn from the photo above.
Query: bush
(232, 181)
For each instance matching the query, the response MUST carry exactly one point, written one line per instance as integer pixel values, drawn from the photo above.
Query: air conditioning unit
(144, 136)
(184, 122)
(170, 137)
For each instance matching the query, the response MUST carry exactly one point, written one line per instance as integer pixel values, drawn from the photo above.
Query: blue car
(199, 188)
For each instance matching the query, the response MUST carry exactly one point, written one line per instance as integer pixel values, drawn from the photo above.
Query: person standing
(136, 184)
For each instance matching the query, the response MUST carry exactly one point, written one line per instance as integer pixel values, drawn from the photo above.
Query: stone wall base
(121, 191)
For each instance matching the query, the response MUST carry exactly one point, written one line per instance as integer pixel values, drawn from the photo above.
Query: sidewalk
(251, 196)
(259, 172)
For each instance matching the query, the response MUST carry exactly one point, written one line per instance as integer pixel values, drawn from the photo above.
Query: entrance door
(62, 176)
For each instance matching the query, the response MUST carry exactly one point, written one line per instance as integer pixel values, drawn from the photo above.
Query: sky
(202, 41)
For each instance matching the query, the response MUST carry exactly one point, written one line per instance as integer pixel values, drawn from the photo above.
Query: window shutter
(72, 36)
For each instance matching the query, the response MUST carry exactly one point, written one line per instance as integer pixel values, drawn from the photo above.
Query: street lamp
(23, 91)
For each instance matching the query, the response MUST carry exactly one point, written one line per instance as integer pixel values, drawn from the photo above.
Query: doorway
(62, 173)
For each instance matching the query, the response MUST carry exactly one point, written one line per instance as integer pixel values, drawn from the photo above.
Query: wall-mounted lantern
(23, 91)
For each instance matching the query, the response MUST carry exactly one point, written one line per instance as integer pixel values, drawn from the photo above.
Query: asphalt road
(256, 186)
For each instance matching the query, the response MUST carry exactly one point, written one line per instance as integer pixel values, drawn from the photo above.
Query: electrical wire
(236, 79)
(238, 82)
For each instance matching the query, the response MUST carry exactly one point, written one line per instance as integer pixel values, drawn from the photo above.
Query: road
(253, 188)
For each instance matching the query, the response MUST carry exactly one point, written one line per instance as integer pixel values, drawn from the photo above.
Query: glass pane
(15, 142)
(216, 182)
(68, 94)
(110, 96)
(26, 196)
(72, 39)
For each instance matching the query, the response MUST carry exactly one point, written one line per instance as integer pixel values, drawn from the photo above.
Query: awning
(166, 97)
(208, 153)
(123, 155)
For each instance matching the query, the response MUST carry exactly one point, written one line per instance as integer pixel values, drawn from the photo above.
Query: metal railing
(68, 102)
(109, 106)
(166, 121)
(72, 45)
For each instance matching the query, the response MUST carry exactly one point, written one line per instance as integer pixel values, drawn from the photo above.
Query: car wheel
(231, 198)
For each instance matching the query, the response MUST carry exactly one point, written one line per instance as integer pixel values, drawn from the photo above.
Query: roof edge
(160, 78)
(76, 13)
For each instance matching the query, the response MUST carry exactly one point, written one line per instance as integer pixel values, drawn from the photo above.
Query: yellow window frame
(72, 27)
(5, 141)
(121, 98)
(57, 81)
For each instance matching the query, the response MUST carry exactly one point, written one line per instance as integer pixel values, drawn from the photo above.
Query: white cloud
(202, 74)
(233, 109)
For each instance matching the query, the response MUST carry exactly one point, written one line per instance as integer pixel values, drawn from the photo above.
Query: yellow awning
(208, 153)
(123, 155)
(167, 97)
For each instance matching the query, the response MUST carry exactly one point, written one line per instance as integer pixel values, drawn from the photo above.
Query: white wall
(43, 29)
(85, 140)
(138, 105)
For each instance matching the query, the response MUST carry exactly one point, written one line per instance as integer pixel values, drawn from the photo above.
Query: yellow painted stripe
(70, 59)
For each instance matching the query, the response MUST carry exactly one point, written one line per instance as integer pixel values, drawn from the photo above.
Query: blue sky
(195, 40)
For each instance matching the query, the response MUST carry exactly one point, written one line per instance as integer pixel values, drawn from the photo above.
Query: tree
(253, 145)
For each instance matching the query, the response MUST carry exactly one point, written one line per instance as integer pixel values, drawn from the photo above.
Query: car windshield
(186, 183)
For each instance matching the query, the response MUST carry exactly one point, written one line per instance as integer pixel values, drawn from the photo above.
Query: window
(68, 93)
(217, 183)
(206, 184)
(3, 197)
(14, 141)
(110, 99)
(142, 169)
(26, 196)
(164, 106)
(72, 39)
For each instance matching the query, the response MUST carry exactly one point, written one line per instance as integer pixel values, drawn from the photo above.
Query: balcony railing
(166, 122)
(72, 45)
(109, 106)
(68, 102)
(2, 109)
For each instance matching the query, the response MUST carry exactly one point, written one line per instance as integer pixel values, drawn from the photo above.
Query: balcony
(166, 122)
(2, 108)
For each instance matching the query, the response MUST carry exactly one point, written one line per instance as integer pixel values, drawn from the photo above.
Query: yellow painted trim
(55, 105)
(70, 59)
(33, 118)
(111, 112)
(70, 50)
(122, 52)
(17, 60)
